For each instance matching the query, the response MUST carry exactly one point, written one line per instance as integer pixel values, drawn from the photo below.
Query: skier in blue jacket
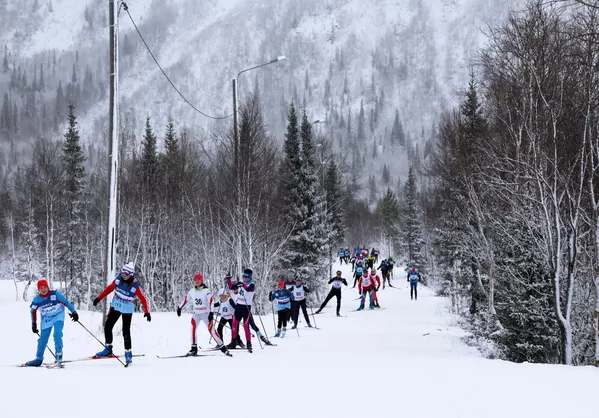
(283, 297)
(51, 305)
(414, 278)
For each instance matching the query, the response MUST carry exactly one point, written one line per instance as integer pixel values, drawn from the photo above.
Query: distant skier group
(233, 304)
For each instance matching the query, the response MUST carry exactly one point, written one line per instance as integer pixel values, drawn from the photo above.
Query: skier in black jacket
(337, 282)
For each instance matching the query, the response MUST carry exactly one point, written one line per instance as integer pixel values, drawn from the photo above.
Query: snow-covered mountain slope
(416, 53)
(406, 360)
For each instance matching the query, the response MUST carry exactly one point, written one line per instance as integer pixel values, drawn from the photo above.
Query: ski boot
(294, 326)
(278, 334)
(223, 349)
(371, 306)
(283, 333)
(318, 311)
(309, 325)
(360, 308)
(35, 363)
(265, 340)
(193, 351)
(240, 343)
(128, 357)
(233, 345)
(107, 352)
(58, 357)
(249, 346)
(338, 314)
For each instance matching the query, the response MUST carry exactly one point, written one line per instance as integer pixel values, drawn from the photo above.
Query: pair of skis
(60, 365)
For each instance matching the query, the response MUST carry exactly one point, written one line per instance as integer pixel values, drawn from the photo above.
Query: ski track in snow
(369, 364)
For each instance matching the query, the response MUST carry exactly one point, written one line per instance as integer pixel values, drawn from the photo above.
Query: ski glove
(148, 316)
(210, 316)
(96, 301)
(34, 328)
(178, 311)
(74, 316)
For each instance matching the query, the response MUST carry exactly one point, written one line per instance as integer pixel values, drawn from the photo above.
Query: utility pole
(237, 182)
(113, 143)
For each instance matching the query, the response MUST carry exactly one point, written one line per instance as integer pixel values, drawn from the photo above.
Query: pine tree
(172, 165)
(149, 163)
(386, 175)
(60, 105)
(5, 115)
(389, 213)
(335, 206)
(5, 65)
(412, 239)
(74, 199)
(42, 82)
(361, 134)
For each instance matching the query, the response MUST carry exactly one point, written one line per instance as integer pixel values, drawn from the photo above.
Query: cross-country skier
(202, 302)
(341, 255)
(236, 296)
(299, 301)
(226, 307)
(369, 262)
(352, 260)
(51, 305)
(377, 284)
(125, 289)
(335, 291)
(366, 285)
(413, 279)
(346, 254)
(375, 253)
(385, 269)
(283, 297)
(359, 270)
(243, 307)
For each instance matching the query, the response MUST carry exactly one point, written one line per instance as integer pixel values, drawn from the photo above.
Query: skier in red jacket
(377, 281)
(366, 285)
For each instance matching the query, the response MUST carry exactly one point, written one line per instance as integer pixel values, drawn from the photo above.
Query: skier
(236, 296)
(346, 255)
(413, 279)
(125, 289)
(369, 262)
(385, 267)
(226, 307)
(341, 255)
(51, 305)
(201, 298)
(375, 253)
(337, 282)
(377, 283)
(366, 285)
(299, 301)
(283, 297)
(352, 260)
(358, 272)
(243, 307)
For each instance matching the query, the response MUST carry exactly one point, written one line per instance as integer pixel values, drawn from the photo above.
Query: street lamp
(237, 150)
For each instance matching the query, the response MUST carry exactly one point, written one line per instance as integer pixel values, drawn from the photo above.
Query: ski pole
(103, 345)
(274, 323)
(38, 334)
(248, 318)
(216, 319)
(313, 318)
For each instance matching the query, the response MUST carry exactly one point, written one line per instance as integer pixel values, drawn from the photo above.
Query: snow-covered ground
(404, 361)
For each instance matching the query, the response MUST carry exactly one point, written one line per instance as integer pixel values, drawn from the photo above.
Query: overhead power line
(126, 8)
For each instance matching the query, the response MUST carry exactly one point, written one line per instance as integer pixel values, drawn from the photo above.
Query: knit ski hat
(248, 273)
(42, 283)
(128, 269)
(198, 276)
(281, 283)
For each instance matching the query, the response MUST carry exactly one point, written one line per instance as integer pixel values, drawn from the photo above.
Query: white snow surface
(404, 361)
